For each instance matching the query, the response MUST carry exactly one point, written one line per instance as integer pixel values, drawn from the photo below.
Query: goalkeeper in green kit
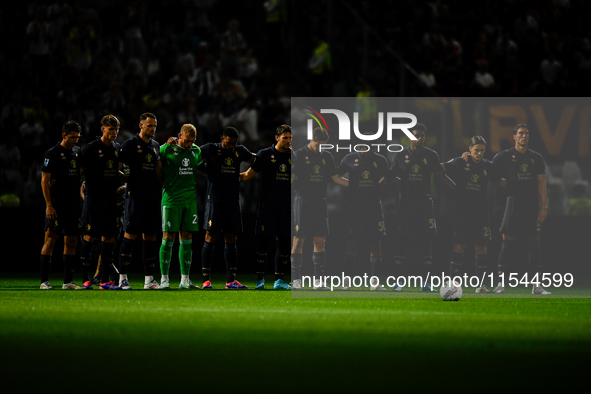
(179, 203)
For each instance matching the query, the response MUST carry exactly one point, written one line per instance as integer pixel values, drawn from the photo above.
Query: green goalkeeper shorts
(181, 217)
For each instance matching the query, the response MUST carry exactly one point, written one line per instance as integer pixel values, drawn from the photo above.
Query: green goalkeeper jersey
(179, 168)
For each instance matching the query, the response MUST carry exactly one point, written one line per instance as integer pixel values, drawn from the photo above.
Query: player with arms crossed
(471, 176)
(412, 169)
(179, 203)
(100, 165)
(142, 200)
(311, 171)
(62, 215)
(222, 210)
(524, 171)
(367, 170)
(273, 218)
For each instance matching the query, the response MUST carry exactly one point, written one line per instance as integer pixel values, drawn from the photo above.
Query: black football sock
(85, 258)
(535, 260)
(125, 252)
(281, 257)
(230, 258)
(150, 251)
(348, 269)
(376, 264)
(296, 266)
(319, 260)
(206, 260)
(261, 257)
(456, 264)
(480, 266)
(107, 259)
(69, 262)
(505, 256)
(45, 267)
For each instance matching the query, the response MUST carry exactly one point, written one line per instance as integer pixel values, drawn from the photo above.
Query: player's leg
(262, 233)
(281, 260)
(375, 260)
(456, 261)
(509, 229)
(69, 257)
(349, 262)
(45, 260)
(150, 225)
(375, 234)
(212, 224)
(207, 254)
(129, 238)
(232, 223)
(298, 243)
(88, 240)
(481, 267)
(188, 226)
(171, 222)
(426, 242)
(319, 261)
(535, 263)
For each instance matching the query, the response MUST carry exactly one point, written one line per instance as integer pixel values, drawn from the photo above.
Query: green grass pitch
(266, 341)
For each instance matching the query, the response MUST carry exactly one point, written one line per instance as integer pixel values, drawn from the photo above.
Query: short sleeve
(245, 154)
(435, 163)
(47, 162)
(258, 161)
(499, 166)
(343, 168)
(124, 153)
(539, 165)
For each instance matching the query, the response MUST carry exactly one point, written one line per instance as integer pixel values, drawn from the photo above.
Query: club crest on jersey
(273, 159)
(513, 159)
(416, 168)
(282, 168)
(467, 168)
(356, 163)
(228, 161)
(407, 159)
(365, 175)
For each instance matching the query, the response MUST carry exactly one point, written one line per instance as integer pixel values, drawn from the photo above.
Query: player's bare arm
(339, 180)
(543, 198)
(50, 210)
(248, 175)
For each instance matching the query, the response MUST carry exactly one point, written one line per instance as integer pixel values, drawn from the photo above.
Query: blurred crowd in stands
(216, 63)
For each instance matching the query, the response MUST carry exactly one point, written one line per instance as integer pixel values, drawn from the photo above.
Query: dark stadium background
(126, 58)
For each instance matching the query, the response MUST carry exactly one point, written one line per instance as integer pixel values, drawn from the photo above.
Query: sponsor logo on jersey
(185, 162)
(73, 163)
(110, 163)
(316, 169)
(365, 174)
(474, 178)
(282, 168)
(416, 168)
(149, 158)
(228, 161)
(523, 167)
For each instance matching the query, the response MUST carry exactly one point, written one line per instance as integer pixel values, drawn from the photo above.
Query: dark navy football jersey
(141, 158)
(521, 171)
(223, 171)
(64, 166)
(365, 172)
(414, 170)
(101, 168)
(313, 171)
(471, 181)
(276, 169)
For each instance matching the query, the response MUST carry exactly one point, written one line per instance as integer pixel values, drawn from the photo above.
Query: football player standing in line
(472, 224)
(311, 171)
(62, 214)
(179, 203)
(100, 165)
(222, 209)
(274, 214)
(142, 200)
(526, 207)
(412, 170)
(366, 218)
